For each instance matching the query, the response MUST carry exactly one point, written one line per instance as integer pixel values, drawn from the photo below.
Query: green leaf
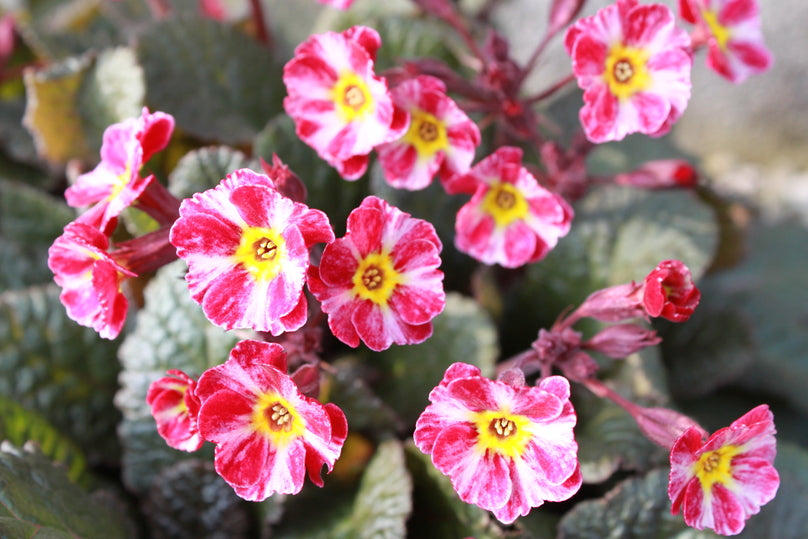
(112, 90)
(171, 332)
(785, 516)
(462, 332)
(203, 169)
(37, 499)
(619, 234)
(18, 426)
(189, 499)
(383, 503)
(363, 408)
(437, 511)
(217, 82)
(636, 508)
(62, 370)
(52, 114)
(327, 191)
(29, 222)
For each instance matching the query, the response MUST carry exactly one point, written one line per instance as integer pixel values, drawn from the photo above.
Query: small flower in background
(720, 483)
(268, 434)
(669, 292)
(247, 250)
(732, 31)
(441, 138)
(511, 220)
(175, 406)
(506, 448)
(338, 4)
(380, 282)
(340, 107)
(660, 174)
(115, 183)
(634, 67)
(90, 279)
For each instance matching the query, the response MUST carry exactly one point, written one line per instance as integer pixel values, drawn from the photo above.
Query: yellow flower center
(625, 72)
(121, 181)
(426, 134)
(505, 204)
(352, 97)
(276, 419)
(261, 251)
(501, 432)
(716, 466)
(719, 31)
(376, 278)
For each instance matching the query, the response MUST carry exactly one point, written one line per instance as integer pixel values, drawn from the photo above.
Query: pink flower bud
(561, 14)
(660, 174)
(613, 304)
(669, 292)
(622, 340)
(285, 181)
(662, 425)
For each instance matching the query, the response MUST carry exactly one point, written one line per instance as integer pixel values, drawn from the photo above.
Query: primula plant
(345, 270)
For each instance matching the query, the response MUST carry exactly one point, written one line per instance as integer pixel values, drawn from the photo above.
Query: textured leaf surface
(462, 332)
(383, 502)
(171, 333)
(64, 371)
(18, 426)
(362, 407)
(52, 115)
(217, 82)
(636, 508)
(29, 222)
(204, 168)
(37, 499)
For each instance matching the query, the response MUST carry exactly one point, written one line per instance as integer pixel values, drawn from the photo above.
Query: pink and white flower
(633, 64)
(380, 282)
(340, 107)
(720, 483)
(511, 220)
(175, 406)
(247, 250)
(732, 31)
(90, 279)
(506, 448)
(669, 292)
(441, 138)
(268, 435)
(115, 183)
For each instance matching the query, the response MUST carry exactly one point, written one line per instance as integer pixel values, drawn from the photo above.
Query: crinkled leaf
(18, 426)
(437, 510)
(327, 191)
(636, 508)
(18, 145)
(52, 115)
(29, 222)
(204, 168)
(189, 499)
(462, 332)
(171, 332)
(785, 516)
(112, 90)
(383, 503)
(37, 498)
(64, 371)
(619, 234)
(363, 408)
(217, 82)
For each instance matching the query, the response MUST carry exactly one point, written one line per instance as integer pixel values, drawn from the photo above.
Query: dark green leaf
(18, 426)
(636, 508)
(64, 371)
(364, 409)
(171, 333)
(29, 222)
(37, 498)
(437, 511)
(188, 499)
(383, 503)
(203, 169)
(218, 83)
(463, 332)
